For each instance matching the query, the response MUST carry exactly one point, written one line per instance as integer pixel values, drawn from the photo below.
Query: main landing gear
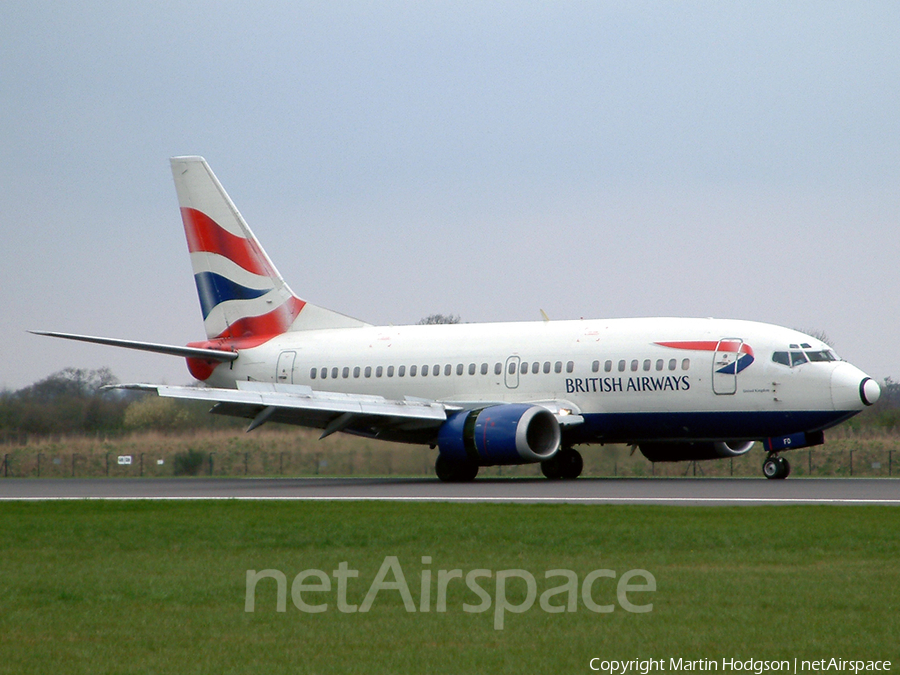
(567, 463)
(776, 467)
(455, 472)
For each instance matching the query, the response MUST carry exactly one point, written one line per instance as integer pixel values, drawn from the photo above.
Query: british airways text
(608, 385)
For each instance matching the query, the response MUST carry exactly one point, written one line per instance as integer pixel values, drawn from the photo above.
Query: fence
(299, 453)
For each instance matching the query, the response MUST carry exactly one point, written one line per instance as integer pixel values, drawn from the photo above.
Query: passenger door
(725, 360)
(284, 371)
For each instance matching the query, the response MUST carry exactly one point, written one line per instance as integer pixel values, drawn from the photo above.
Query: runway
(666, 491)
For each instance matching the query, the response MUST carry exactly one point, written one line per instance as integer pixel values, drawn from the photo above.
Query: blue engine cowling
(512, 433)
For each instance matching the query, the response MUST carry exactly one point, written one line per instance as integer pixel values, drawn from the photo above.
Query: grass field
(160, 587)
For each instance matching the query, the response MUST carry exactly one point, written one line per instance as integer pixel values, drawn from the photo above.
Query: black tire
(785, 467)
(551, 468)
(776, 468)
(570, 463)
(444, 469)
(466, 472)
(454, 472)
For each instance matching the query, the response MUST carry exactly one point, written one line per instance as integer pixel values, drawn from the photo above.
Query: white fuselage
(615, 373)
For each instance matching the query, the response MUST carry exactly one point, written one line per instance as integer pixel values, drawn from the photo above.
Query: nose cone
(869, 391)
(852, 389)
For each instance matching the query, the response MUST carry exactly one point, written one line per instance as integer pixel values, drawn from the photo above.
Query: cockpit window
(795, 357)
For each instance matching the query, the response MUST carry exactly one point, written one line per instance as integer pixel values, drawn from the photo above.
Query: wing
(409, 420)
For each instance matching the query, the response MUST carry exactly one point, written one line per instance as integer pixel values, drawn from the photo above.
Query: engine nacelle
(683, 451)
(512, 433)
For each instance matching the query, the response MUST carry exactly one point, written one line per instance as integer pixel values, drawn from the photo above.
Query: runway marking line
(536, 500)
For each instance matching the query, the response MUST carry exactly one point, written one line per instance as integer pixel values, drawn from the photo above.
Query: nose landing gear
(776, 467)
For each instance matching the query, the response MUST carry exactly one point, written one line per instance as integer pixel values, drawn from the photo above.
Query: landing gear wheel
(454, 472)
(567, 463)
(465, 473)
(551, 468)
(776, 467)
(786, 467)
(570, 463)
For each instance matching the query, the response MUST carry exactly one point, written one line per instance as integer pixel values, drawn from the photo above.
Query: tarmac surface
(670, 491)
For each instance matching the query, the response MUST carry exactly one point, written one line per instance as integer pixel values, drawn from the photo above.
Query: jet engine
(685, 451)
(511, 433)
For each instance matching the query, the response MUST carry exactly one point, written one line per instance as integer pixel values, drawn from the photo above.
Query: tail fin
(242, 295)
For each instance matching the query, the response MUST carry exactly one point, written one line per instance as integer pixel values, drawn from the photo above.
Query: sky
(491, 160)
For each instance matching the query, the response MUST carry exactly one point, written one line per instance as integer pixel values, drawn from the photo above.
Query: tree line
(74, 401)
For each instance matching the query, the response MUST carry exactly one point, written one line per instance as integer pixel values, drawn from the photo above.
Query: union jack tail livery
(242, 295)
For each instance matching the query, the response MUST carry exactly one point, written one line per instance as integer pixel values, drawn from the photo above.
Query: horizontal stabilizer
(171, 350)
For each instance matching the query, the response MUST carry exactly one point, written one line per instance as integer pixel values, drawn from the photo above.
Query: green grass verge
(158, 587)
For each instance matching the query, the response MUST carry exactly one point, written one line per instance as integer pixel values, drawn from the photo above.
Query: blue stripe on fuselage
(635, 427)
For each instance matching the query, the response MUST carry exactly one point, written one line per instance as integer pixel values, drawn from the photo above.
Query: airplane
(486, 394)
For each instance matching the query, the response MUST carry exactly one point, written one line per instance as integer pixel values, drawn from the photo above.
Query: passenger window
(345, 373)
(595, 367)
(686, 364)
(535, 368)
(546, 367)
(646, 365)
(557, 367)
(570, 366)
(659, 364)
(634, 366)
(622, 366)
(607, 367)
(390, 372)
(368, 372)
(356, 371)
(334, 373)
(782, 357)
(524, 368)
(672, 364)
(401, 371)
(798, 358)
(471, 369)
(313, 373)
(324, 373)
(424, 371)
(435, 370)
(413, 370)
(379, 371)
(512, 368)
(498, 368)
(448, 370)
(459, 369)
